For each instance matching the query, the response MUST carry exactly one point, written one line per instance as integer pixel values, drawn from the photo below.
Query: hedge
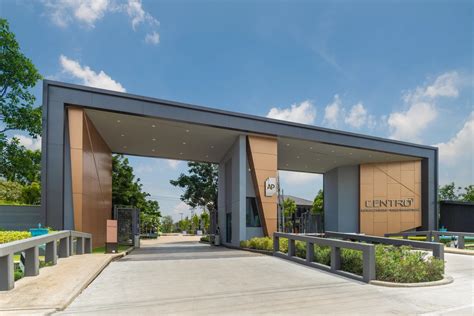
(393, 264)
(8, 236)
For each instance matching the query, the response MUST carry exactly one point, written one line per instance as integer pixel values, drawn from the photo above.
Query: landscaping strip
(446, 280)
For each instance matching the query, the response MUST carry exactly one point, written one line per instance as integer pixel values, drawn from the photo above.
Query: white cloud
(152, 38)
(87, 12)
(173, 163)
(460, 147)
(358, 116)
(332, 112)
(304, 113)
(421, 107)
(29, 142)
(456, 156)
(89, 77)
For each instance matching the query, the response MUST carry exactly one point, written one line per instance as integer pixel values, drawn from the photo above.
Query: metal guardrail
(368, 254)
(434, 235)
(30, 246)
(436, 248)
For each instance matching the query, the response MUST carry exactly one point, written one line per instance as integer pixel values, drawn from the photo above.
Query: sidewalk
(55, 287)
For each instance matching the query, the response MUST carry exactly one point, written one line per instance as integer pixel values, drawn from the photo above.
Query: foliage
(13, 193)
(31, 194)
(10, 191)
(18, 163)
(393, 264)
(318, 203)
(17, 76)
(184, 224)
(167, 224)
(126, 190)
(449, 192)
(205, 221)
(200, 185)
(289, 209)
(194, 222)
(12, 235)
(206, 238)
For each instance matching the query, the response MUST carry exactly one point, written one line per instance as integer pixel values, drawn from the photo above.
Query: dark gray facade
(56, 182)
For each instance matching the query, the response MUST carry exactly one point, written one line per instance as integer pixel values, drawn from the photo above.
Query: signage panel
(270, 187)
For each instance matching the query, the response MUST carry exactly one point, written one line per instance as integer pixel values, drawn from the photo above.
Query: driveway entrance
(179, 275)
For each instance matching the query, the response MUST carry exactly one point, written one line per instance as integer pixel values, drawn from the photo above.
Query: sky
(397, 69)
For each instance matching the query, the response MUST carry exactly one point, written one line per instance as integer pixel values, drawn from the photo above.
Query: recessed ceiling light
(332, 151)
(370, 156)
(310, 147)
(153, 150)
(153, 139)
(180, 153)
(207, 156)
(286, 164)
(297, 157)
(118, 121)
(153, 125)
(187, 131)
(287, 144)
(212, 146)
(124, 147)
(184, 143)
(350, 153)
(122, 135)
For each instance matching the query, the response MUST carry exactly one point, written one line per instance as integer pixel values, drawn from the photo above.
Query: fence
(435, 235)
(31, 248)
(436, 248)
(368, 254)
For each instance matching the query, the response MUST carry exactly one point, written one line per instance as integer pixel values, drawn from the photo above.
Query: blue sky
(398, 69)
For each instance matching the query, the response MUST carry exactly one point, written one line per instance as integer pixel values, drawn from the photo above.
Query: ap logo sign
(270, 187)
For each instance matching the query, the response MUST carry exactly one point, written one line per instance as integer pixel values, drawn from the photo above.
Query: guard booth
(128, 225)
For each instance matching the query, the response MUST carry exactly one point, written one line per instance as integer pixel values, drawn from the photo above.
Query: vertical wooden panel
(381, 186)
(262, 156)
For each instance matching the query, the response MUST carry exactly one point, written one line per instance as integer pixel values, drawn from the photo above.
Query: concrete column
(368, 261)
(291, 248)
(79, 246)
(88, 245)
(51, 252)
(7, 279)
(32, 261)
(64, 250)
(309, 252)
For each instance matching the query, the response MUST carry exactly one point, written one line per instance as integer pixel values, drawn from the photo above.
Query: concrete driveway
(178, 275)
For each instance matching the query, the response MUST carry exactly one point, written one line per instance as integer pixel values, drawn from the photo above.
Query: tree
(18, 163)
(206, 221)
(17, 76)
(167, 224)
(126, 190)
(195, 222)
(448, 192)
(468, 194)
(318, 203)
(184, 224)
(200, 185)
(289, 209)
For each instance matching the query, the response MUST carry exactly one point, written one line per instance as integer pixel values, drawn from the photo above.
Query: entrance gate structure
(365, 177)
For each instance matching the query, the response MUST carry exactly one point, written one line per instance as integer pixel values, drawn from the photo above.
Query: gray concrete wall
(341, 199)
(13, 217)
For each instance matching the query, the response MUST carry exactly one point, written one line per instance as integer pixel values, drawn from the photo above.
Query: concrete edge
(93, 277)
(262, 252)
(444, 281)
(459, 251)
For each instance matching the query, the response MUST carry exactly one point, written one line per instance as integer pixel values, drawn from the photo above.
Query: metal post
(51, 252)
(64, 247)
(7, 279)
(461, 242)
(309, 252)
(88, 245)
(368, 261)
(79, 246)
(276, 243)
(335, 258)
(32, 261)
(291, 247)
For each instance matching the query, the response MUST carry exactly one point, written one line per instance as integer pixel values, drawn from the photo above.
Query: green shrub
(205, 238)
(393, 264)
(10, 191)
(31, 194)
(8, 236)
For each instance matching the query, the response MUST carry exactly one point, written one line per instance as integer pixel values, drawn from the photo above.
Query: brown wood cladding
(390, 197)
(91, 165)
(262, 156)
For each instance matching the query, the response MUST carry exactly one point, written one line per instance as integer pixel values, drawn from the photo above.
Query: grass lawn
(102, 249)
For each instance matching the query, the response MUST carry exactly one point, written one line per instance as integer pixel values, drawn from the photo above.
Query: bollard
(369, 272)
(309, 252)
(335, 258)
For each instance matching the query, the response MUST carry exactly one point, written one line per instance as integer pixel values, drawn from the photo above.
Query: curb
(446, 280)
(459, 251)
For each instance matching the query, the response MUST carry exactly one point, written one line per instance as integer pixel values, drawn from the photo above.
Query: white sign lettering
(270, 187)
